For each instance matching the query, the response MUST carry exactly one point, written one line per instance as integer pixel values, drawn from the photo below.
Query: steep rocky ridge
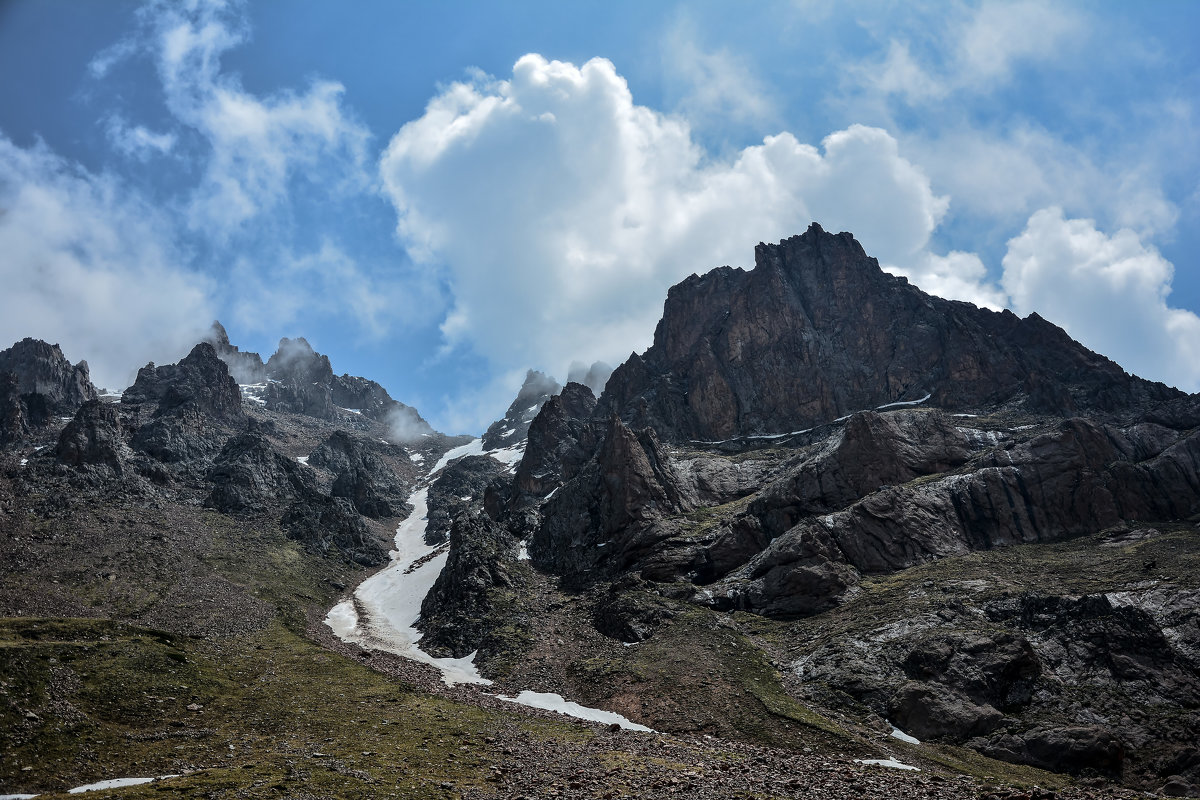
(732, 468)
(817, 313)
(42, 369)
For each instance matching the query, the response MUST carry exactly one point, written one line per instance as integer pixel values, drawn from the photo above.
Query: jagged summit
(41, 368)
(817, 330)
(514, 425)
(298, 379)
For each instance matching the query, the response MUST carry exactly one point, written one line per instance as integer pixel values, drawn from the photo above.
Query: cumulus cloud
(1004, 176)
(954, 276)
(561, 211)
(90, 265)
(1109, 292)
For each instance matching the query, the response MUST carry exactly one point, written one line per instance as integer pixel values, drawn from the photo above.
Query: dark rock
(816, 312)
(320, 523)
(474, 605)
(935, 711)
(200, 382)
(42, 369)
(460, 485)
(514, 426)
(245, 367)
(250, 477)
(1072, 749)
(95, 436)
(1080, 478)
(14, 424)
(361, 475)
(612, 503)
(560, 439)
(630, 616)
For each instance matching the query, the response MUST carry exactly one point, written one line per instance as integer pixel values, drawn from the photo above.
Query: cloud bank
(561, 211)
(89, 265)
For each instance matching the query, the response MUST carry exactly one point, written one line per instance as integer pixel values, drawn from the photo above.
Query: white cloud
(1003, 177)
(136, 141)
(1109, 292)
(562, 212)
(258, 144)
(973, 49)
(955, 276)
(91, 266)
(713, 86)
(328, 282)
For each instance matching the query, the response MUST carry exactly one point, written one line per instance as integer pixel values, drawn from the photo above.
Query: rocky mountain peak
(296, 361)
(513, 427)
(245, 367)
(200, 381)
(41, 368)
(817, 312)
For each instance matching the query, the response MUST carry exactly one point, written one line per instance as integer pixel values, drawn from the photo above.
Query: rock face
(1077, 479)
(514, 426)
(606, 514)
(816, 312)
(472, 605)
(244, 367)
(41, 369)
(458, 488)
(251, 477)
(200, 382)
(560, 439)
(96, 436)
(361, 476)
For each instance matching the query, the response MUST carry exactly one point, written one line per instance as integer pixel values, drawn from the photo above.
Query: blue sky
(442, 195)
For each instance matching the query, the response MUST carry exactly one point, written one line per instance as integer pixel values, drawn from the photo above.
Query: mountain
(817, 330)
(822, 517)
(298, 379)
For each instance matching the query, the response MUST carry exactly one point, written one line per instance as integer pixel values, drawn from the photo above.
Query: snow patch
(303, 460)
(115, 783)
(253, 393)
(902, 736)
(391, 600)
(471, 448)
(352, 410)
(891, 763)
(904, 403)
(549, 701)
(523, 553)
(24, 461)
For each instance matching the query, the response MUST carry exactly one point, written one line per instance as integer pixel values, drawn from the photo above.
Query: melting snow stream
(385, 608)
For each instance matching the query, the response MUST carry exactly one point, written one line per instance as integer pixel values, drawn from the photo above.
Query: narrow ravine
(384, 609)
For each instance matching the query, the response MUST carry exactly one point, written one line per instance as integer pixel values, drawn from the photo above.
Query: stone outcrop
(1076, 479)
(605, 515)
(42, 369)
(560, 440)
(473, 604)
(200, 382)
(249, 476)
(245, 367)
(361, 476)
(816, 312)
(96, 436)
(460, 486)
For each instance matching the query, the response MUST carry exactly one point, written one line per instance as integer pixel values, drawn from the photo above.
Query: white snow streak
(115, 783)
(392, 599)
(887, 762)
(471, 448)
(555, 702)
(904, 403)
